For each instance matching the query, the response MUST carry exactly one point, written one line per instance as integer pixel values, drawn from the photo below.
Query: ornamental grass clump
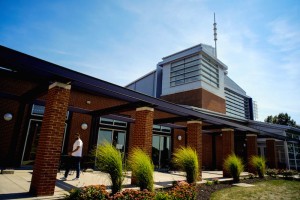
(109, 160)
(234, 166)
(142, 169)
(186, 159)
(259, 164)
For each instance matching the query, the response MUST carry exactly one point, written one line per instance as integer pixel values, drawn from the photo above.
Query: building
(197, 79)
(43, 105)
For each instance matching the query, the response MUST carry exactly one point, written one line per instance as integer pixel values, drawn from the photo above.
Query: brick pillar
(271, 153)
(194, 140)
(142, 134)
(50, 141)
(228, 146)
(251, 150)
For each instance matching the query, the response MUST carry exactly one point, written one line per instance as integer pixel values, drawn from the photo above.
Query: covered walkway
(16, 186)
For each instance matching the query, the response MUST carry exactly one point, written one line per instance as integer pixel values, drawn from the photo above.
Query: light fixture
(84, 126)
(179, 137)
(88, 102)
(8, 117)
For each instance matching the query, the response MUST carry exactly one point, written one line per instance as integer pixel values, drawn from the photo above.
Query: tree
(281, 118)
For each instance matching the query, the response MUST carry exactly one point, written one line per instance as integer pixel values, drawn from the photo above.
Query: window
(193, 69)
(161, 129)
(185, 71)
(38, 110)
(112, 122)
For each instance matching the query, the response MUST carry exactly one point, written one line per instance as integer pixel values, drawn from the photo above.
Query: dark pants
(73, 162)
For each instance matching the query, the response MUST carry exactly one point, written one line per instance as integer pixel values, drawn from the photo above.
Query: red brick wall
(200, 98)
(49, 146)
(77, 120)
(178, 143)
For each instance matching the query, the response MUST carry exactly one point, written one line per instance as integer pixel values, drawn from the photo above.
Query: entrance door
(161, 151)
(115, 137)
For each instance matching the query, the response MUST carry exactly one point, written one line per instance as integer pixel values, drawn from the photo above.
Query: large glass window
(294, 155)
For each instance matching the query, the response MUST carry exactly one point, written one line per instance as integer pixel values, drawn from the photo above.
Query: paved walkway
(16, 186)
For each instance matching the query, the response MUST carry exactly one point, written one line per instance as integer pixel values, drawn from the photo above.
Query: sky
(120, 40)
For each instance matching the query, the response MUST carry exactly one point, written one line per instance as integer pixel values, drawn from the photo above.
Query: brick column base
(50, 141)
(194, 140)
(271, 153)
(251, 150)
(227, 147)
(142, 134)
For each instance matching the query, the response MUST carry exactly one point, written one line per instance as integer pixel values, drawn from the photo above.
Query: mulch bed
(204, 191)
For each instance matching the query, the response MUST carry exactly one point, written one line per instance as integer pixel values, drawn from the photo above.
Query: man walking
(74, 159)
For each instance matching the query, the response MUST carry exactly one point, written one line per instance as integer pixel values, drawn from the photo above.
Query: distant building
(195, 77)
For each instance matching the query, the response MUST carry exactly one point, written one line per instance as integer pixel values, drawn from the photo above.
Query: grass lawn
(272, 189)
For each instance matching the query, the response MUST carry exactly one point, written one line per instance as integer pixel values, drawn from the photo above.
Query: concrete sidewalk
(16, 186)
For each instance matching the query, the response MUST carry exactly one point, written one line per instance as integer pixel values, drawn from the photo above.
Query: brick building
(43, 105)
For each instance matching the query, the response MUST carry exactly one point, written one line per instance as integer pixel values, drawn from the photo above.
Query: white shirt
(77, 143)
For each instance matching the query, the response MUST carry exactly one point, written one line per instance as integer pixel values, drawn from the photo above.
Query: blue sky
(119, 41)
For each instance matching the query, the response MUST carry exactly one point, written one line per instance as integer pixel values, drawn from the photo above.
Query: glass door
(161, 151)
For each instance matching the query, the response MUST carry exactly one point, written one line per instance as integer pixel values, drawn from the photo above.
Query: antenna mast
(215, 34)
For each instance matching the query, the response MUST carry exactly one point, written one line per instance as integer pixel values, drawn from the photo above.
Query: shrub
(133, 194)
(109, 160)
(234, 166)
(162, 196)
(215, 181)
(288, 174)
(259, 163)
(142, 169)
(209, 183)
(251, 176)
(272, 172)
(88, 192)
(183, 191)
(186, 159)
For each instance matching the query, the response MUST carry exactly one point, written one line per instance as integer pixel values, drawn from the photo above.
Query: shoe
(63, 178)
(75, 179)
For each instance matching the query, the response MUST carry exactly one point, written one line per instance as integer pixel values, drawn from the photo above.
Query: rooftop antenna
(215, 34)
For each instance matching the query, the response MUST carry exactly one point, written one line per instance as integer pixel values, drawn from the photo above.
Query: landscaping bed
(204, 191)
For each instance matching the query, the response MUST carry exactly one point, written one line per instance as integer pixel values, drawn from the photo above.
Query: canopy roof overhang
(23, 66)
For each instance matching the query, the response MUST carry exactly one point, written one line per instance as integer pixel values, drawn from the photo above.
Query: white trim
(145, 108)
(58, 84)
(249, 135)
(227, 129)
(194, 122)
